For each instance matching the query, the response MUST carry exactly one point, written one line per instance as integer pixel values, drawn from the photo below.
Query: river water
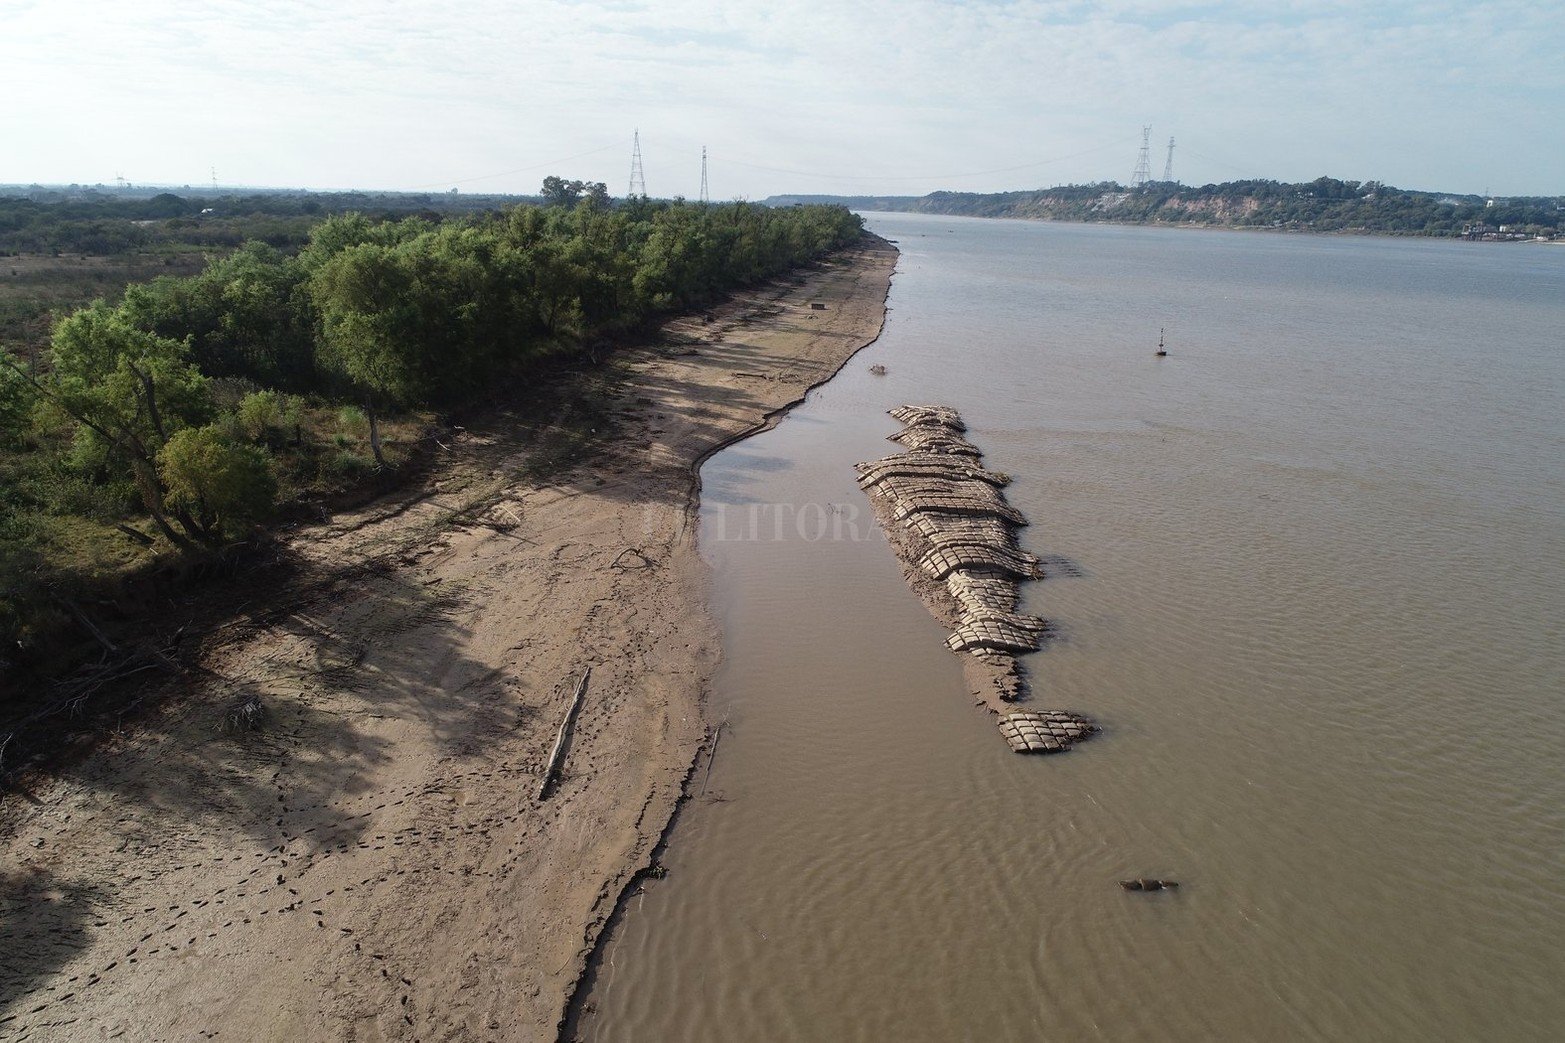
(1308, 572)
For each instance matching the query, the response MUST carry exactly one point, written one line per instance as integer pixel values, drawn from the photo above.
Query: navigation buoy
(1161, 351)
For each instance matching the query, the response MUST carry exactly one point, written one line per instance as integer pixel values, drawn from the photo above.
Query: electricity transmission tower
(704, 196)
(1168, 167)
(1143, 172)
(638, 179)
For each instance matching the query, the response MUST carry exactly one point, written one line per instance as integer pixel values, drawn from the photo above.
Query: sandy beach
(374, 862)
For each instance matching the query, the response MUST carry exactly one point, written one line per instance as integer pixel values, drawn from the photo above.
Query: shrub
(225, 486)
(347, 465)
(353, 422)
(267, 415)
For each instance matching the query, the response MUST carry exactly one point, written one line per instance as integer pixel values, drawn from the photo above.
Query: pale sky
(875, 96)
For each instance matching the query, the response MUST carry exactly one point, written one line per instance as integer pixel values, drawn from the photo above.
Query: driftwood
(136, 534)
(711, 756)
(619, 561)
(552, 771)
(88, 625)
(73, 693)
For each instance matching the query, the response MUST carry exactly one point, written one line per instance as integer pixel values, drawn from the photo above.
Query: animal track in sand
(248, 903)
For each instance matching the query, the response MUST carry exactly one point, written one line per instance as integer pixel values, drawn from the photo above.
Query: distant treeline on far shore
(1322, 205)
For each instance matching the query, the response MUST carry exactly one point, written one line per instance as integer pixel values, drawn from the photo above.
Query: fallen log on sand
(557, 755)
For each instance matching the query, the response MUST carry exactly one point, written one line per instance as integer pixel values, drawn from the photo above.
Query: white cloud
(866, 96)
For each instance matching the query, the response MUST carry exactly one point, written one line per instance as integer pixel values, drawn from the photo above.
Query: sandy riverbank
(373, 864)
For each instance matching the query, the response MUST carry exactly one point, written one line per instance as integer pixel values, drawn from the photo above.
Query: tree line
(173, 406)
(1323, 205)
(108, 221)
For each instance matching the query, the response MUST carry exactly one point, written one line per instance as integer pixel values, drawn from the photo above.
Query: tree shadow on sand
(43, 925)
(358, 662)
(199, 806)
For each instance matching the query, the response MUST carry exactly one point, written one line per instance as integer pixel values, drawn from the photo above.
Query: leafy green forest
(182, 416)
(63, 246)
(105, 221)
(1323, 205)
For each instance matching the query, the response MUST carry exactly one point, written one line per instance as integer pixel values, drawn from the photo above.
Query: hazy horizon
(879, 99)
(145, 189)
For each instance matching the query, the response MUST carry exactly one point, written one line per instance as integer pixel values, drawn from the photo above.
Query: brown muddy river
(1308, 573)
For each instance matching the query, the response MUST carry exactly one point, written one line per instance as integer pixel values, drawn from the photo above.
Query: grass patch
(34, 288)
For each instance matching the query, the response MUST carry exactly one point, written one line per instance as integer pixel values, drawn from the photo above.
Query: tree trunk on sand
(380, 460)
(152, 500)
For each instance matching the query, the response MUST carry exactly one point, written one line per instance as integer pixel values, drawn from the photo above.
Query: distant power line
(638, 174)
(926, 177)
(1247, 172)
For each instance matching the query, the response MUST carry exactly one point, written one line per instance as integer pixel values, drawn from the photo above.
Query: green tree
(131, 391)
(222, 485)
(596, 194)
(246, 315)
(557, 191)
(371, 331)
(17, 397)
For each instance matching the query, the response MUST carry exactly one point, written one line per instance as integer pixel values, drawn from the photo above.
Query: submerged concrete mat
(997, 632)
(956, 527)
(900, 487)
(936, 440)
(955, 504)
(979, 593)
(942, 561)
(928, 465)
(1045, 731)
(944, 416)
(953, 530)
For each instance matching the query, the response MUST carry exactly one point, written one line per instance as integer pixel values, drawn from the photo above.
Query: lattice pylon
(1143, 172)
(638, 178)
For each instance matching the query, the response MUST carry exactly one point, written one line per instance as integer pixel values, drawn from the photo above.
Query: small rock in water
(1143, 884)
